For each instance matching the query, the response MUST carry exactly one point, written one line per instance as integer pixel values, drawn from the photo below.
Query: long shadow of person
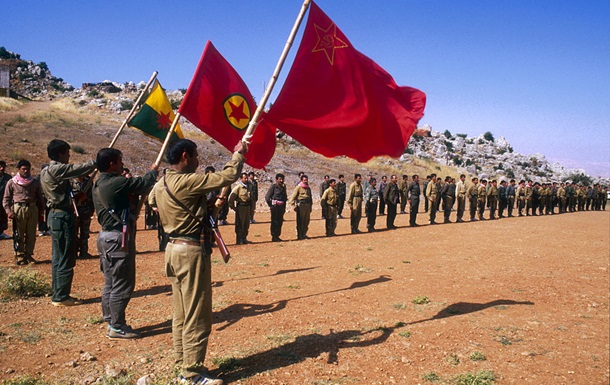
(303, 347)
(460, 308)
(236, 312)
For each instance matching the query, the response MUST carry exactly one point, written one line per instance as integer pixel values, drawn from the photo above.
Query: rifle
(15, 236)
(125, 231)
(213, 226)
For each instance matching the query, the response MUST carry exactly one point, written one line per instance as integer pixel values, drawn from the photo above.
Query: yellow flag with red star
(156, 115)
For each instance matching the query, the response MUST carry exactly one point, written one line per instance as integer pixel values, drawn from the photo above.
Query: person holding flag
(181, 200)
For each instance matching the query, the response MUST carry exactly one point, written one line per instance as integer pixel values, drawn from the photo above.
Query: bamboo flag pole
(133, 108)
(276, 73)
(167, 138)
(116, 136)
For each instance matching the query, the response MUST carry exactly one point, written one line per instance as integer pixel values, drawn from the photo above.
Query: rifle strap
(182, 205)
(112, 213)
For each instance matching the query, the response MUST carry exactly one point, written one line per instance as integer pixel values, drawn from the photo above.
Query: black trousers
(391, 215)
(371, 214)
(277, 219)
(413, 213)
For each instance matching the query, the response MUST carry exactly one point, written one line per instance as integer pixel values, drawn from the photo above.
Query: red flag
(219, 103)
(336, 101)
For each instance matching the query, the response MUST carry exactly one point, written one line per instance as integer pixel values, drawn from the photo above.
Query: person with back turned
(55, 182)
(112, 198)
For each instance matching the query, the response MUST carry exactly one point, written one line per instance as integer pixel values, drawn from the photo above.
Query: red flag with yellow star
(156, 115)
(336, 101)
(219, 103)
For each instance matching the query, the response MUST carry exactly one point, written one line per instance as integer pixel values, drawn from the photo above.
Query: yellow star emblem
(237, 111)
(328, 41)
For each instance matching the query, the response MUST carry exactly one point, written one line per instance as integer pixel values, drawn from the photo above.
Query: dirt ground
(529, 295)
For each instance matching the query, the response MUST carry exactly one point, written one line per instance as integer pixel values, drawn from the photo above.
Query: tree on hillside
(579, 178)
(488, 136)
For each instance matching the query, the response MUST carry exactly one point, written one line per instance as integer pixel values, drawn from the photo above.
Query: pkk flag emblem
(237, 111)
(219, 103)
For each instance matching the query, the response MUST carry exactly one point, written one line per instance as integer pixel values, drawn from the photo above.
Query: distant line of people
(389, 196)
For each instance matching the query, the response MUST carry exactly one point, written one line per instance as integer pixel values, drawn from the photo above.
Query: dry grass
(7, 104)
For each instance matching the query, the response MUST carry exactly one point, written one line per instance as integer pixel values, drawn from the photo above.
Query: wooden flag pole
(276, 73)
(167, 138)
(261, 106)
(116, 136)
(133, 108)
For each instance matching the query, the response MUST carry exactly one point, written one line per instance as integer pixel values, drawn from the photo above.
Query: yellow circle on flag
(237, 111)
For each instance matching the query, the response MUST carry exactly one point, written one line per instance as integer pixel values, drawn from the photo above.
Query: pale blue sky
(536, 72)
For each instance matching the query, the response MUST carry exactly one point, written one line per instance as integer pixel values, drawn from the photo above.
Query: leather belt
(176, 241)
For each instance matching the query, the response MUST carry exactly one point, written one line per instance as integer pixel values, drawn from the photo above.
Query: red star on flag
(163, 120)
(237, 112)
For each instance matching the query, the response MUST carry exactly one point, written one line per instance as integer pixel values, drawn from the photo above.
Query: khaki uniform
(561, 199)
(240, 201)
(330, 203)
(529, 191)
(24, 202)
(481, 196)
(354, 199)
(472, 193)
(492, 201)
(520, 200)
(187, 266)
(432, 196)
(301, 199)
(403, 186)
(460, 193)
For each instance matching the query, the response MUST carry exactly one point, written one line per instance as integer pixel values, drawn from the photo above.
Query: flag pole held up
(133, 108)
(276, 72)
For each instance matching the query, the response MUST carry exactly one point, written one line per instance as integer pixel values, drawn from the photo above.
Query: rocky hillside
(428, 150)
(489, 157)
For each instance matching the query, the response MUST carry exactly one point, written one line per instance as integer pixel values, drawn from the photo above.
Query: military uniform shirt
(190, 189)
(55, 183)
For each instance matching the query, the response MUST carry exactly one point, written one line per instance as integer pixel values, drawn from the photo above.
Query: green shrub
(420, 300)
(126, 105)
(22, 283)
(483, 377)
(488, 136)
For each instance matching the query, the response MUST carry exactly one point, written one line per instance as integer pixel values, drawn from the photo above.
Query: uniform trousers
(63, 235)
(492, 202)
(447, 204)
(433, 207)
(389, 219)
(331, 220)
(510, 204)
(356, 213)
(461, 206)
(26, 219)
(119, 269)
(371, 214)
(242, 221)
(414, 207)
(303, 211)
(277, 219)
(473, 207)
(188, 269)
